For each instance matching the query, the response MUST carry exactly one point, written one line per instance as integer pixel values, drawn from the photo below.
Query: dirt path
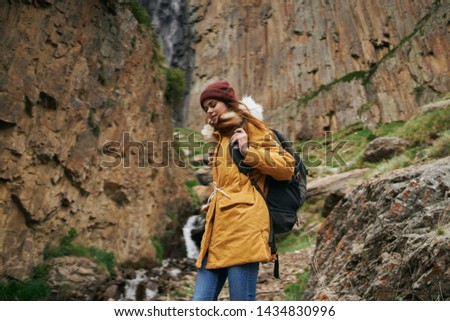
(268, 287)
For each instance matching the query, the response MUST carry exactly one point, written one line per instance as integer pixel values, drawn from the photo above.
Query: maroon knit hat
(220, 90)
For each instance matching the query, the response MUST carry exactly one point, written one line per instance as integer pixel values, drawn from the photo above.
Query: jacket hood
(255, 109)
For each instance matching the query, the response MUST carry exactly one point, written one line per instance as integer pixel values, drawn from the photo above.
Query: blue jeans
(241, 281)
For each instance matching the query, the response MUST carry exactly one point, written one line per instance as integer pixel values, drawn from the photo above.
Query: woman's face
(214, 108)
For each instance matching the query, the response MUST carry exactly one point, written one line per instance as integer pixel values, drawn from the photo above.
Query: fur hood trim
(255, 109)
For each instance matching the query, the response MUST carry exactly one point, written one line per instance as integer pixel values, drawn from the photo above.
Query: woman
(237, 220)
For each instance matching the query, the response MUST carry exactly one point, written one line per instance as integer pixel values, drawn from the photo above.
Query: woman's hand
(240, 136)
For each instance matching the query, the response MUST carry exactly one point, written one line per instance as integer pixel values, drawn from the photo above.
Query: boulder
(433, 106)
(384, 148)
(322, 187)
(75, 278)
(388, 239)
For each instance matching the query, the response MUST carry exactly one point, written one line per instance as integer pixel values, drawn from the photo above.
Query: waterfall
(143, 288)
(191, 247)
(140, 280)
(170, 19)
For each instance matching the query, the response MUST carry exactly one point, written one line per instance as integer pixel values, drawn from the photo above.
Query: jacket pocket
(265, 246)
(238, 199)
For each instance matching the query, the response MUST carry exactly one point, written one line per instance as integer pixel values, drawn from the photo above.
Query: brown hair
(246, 116)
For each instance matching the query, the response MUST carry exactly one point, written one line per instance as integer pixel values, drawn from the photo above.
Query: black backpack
(284, 198)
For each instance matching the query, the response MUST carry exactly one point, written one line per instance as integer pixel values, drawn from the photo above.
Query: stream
(144, 284)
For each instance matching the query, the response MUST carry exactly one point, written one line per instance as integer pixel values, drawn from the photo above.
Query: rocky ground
(268, 287)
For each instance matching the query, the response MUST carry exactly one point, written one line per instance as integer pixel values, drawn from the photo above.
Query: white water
(141, 275)
(191, 247)
(165, 18)
(131, 286)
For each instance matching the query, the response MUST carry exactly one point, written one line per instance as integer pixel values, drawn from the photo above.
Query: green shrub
(418, 91)
(159, 248)
(176, 85)
(28, 290)
(67, 248)
(140, 13)
(92, 124)
(190, 184)
(33, 289)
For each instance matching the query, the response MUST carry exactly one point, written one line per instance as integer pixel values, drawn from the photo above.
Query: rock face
(74, 78)
(318, 66)
(389, 239)
(170, 20)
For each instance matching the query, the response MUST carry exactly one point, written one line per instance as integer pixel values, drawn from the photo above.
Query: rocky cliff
(389, 239)
(171, 22)
(74, 77)
(318, 66)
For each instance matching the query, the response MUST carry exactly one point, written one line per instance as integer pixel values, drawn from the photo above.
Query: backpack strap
(287, 146)
(276, 268)
(238, 159)
(272, 245)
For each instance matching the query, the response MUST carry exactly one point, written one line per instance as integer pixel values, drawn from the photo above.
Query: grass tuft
(295, 291)
(441, 147)
(176, 85)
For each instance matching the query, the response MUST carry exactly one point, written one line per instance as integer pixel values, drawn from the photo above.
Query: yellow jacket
(237, 221)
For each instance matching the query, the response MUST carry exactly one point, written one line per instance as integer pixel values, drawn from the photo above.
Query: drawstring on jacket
(216, 189)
